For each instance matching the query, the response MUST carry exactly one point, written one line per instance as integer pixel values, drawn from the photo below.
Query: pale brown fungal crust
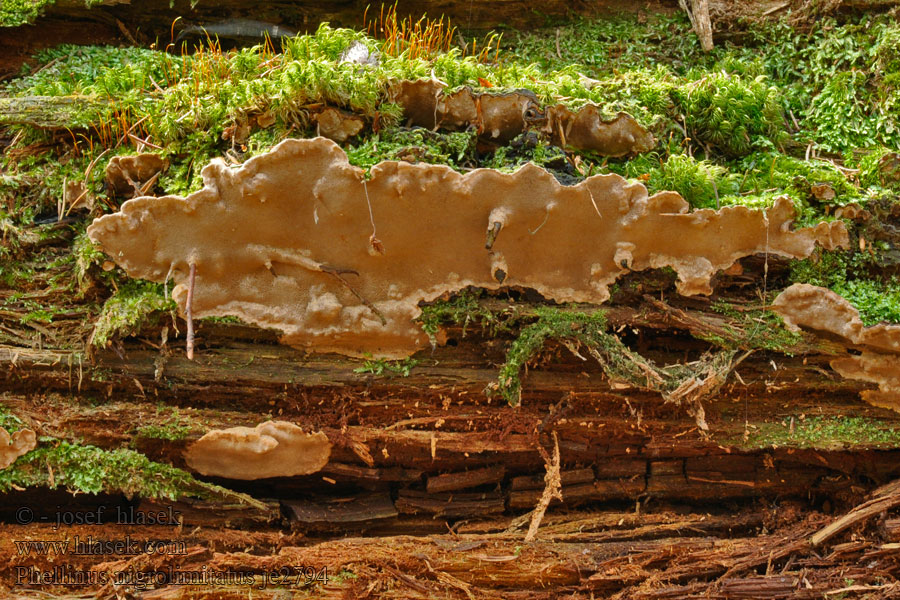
(271, 449)
(12, 447)
(288, 241)
(823, 311)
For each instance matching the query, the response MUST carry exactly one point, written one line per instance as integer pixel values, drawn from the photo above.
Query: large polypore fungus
(12, 447)
(300, 240)
(825, 312)
(271, 449)
(501, 117)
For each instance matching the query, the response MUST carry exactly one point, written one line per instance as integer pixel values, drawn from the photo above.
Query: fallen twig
(884, 498)
(188, 311)
(552, 490)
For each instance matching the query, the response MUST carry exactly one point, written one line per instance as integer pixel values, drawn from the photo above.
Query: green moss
(753, 329)
(342, 576)
(15, 274)
(857, 104)
(838, 81)
(88, 469)
(464, 308)
(556, 325)
(381, 366)
(870, 172)
(764, 170)
(876, 301)
(14, 13)
(840, 114)
(9, 421)
(732, 113)
(609, 44)
(734, 100)
(126, 311)
(87, 255)
(455, 149)
(582, 332)
(527, 149)
(172, 429)
(825, 432)
(41, 316)
(887, 50)
(700, 182)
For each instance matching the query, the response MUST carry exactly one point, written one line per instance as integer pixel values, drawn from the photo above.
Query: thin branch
(188, 311)
(552, 489)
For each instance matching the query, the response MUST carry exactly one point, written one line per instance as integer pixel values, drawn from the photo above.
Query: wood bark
(702, 23)
(698, 13)
(49, 112)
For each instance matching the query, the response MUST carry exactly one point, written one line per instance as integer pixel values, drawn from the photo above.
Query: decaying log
(415, 457)
(51, 112)
(498, 117)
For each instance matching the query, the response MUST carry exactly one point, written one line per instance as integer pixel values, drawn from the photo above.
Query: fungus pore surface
(299, 240)
(271, 449)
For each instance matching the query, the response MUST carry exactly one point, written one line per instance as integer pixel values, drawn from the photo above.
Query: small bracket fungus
(337, 125)
(12, 447)
(501, 117)
(286, 241)
(825, 312)
(271, 449)
(130, 176)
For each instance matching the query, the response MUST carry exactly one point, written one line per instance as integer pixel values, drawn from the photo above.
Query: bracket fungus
(271, 449)
(130, 176)
(337, 125)
(804, 306)
(499, 117)
(300, 240)
(16, 445)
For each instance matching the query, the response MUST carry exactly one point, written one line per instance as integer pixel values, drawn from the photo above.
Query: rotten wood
(459, 505)
(883, 499)
(357, 509)
(467, 479)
